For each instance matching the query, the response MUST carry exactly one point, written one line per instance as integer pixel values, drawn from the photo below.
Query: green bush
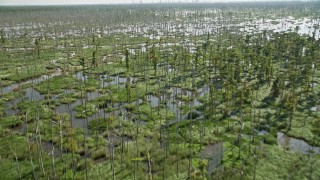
(270, 139)
(82, 164)
(11, 122)
(98, 153)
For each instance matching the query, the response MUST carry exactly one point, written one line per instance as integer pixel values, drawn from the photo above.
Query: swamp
(160, 91)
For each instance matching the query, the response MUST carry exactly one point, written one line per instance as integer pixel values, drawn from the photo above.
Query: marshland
(160, 91)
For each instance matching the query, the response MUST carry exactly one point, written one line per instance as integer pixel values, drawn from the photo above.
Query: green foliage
(127, 58)
(2, 36)
(148, 125)
(270, 139)
(10, 122)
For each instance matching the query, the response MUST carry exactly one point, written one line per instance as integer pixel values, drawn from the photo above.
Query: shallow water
(172, 104)
(305, 26)
(106, 80)
(214, 154)
(296, 144)
(315, 109)
(30, 94)
(51, 149)
(10, 88)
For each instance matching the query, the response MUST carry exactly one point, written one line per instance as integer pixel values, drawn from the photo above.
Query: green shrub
(82, 164)
(98, 153)
(270, 139)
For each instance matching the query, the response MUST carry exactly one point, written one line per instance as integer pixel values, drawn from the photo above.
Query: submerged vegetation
(180, 91)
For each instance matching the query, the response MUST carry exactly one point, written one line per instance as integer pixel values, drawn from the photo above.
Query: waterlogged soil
(295, 144)
(173, 105)
(13, 87)
(161, 91)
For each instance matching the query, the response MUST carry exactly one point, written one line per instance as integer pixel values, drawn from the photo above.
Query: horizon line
(153, 3)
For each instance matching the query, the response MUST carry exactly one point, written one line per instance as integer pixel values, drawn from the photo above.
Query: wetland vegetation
(166, 91)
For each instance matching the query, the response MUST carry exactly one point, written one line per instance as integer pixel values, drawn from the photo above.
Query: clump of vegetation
(191, 92)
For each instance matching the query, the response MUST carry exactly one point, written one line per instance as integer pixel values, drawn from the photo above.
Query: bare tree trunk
(17, 161)
(29, 148)
(38, 140)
